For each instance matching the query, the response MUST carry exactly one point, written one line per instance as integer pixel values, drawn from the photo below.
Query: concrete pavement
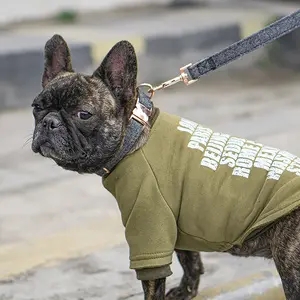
(61, 236)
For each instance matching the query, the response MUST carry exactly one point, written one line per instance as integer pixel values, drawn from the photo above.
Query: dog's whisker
(28, 135)
(27, 142)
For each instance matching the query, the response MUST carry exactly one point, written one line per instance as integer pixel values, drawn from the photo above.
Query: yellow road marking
(19, 258)
(101, 48)
(87, 35)
(274, 293)
(253, 25)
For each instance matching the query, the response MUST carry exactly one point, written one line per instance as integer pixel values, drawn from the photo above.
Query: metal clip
(149, 88)
(184, 76)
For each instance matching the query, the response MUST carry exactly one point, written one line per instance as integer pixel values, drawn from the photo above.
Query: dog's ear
(57, 59)
(119, 72)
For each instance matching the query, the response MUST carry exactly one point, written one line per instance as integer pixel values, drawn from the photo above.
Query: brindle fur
(192, 269)
(282, 243)
(86, 146)
(154, 289)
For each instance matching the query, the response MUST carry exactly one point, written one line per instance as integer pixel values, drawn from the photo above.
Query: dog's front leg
(154, 289)
(192, 267)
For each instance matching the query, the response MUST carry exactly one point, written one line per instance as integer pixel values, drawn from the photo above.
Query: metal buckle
(184, 75)
(141, 114)
(105, 170)
(149, 88)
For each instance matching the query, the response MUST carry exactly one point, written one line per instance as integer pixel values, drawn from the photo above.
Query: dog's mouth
(47, 150)
(44, 147)
(38, 142)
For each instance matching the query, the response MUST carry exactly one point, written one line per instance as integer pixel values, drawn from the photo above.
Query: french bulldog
(180, 187)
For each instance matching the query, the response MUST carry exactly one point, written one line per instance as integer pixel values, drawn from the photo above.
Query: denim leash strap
(192, 72)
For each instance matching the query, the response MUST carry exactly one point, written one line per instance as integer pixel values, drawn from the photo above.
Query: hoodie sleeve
(151, 232)
(150, 225)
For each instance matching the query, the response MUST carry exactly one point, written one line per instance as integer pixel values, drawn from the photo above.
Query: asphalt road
(60, 233)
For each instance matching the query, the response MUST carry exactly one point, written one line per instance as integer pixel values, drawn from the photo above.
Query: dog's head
(80, 120)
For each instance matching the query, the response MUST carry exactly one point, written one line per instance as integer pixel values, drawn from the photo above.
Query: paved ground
(60, 233)
(61, 236)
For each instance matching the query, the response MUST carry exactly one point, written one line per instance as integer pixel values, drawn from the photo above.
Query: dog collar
(138, 120)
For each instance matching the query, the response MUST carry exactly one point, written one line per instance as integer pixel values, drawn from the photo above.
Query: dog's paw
(181, 293)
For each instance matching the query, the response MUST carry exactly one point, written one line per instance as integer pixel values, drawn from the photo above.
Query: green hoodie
(194, 189)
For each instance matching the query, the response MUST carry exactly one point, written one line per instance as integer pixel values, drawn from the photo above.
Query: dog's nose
(51, 122)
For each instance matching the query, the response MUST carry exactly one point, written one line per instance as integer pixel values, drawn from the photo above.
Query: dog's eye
(36, 107)
(84, 115)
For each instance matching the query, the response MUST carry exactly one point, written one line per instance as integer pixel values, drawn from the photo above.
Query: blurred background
(61, 235)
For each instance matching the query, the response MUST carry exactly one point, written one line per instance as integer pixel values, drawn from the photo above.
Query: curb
(160, 56)
(22, 59)
(21, 71)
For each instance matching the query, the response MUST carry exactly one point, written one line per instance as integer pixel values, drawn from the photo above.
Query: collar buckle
(141, 114)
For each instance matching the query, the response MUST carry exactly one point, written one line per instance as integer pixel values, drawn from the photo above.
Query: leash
(192, 72)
